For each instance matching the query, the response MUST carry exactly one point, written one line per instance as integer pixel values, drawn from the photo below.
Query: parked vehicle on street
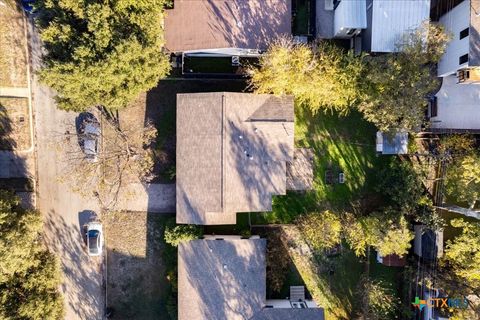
(94, 238)
(88, 135)
(28, 6)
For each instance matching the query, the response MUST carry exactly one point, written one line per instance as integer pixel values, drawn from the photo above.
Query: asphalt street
(64, 211)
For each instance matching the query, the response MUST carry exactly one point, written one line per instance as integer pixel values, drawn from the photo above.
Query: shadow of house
(224, 36)
(14, 174)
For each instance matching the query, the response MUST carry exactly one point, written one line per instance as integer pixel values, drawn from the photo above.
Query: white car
(94, 238)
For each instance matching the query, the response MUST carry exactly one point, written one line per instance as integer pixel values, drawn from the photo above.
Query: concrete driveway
(458, 105)
(64, 211)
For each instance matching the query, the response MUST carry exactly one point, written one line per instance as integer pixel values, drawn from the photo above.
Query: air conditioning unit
(235, 61)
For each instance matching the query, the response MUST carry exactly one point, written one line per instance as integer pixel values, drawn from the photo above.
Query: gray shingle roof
(221, 279)
(232, 150)
(211, 24)
(289, 314)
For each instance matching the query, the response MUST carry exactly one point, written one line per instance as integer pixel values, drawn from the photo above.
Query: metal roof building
(389, 20)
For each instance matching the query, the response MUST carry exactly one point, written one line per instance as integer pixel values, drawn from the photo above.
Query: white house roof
(391, 19)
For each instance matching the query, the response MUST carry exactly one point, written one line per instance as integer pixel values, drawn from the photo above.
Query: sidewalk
(159, 198)
(15, 92)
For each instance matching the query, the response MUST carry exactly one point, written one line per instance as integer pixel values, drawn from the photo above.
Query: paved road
(64, 211)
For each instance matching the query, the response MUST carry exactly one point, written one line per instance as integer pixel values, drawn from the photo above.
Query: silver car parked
(88, 135)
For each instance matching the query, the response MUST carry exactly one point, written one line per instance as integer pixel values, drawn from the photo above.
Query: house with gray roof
(230, 34)
(232, 154)
(222, 279)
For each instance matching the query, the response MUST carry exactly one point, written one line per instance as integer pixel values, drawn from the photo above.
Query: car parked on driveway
(94, 238)
(88, 130)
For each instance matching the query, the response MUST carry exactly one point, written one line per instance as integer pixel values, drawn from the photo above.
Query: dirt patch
(13, 57)
(14, 124)
(137, 285)
(160, 106)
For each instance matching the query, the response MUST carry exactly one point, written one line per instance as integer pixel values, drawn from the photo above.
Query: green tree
(399, 183)
(322, 230)
(378, 300)
(395, 87)
(29, 274)
(323, 77)
(174, 234)
(457, 144)
(387, 232)
(462, 179)
(462, 255)
(101, 52)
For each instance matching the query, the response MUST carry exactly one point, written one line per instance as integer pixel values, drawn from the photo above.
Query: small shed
(392, 143)
(391, 260)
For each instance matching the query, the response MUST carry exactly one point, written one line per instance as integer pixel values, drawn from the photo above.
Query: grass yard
(14, 124)
(13, 57)
(137, 264)
(340, 144)
(160, 106)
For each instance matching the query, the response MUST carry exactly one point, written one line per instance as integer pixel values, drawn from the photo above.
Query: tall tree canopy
(462, 254)
(29, 274)
(323, 77)
(399, 183)
(101, 52)
(322, 230)
(462, 179)
(390, 90)
(396, 86)
(387, 232)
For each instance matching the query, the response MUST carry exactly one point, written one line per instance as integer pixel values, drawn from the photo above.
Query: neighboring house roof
(457, 106)
(221, 279)
(350, 15)
(226, 279)
(394, 260)
(428, 244)
(289, 314)
(211, 24)
(232, 150)
(391, 19)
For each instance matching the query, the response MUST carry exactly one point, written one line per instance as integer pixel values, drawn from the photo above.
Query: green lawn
(340, 144)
